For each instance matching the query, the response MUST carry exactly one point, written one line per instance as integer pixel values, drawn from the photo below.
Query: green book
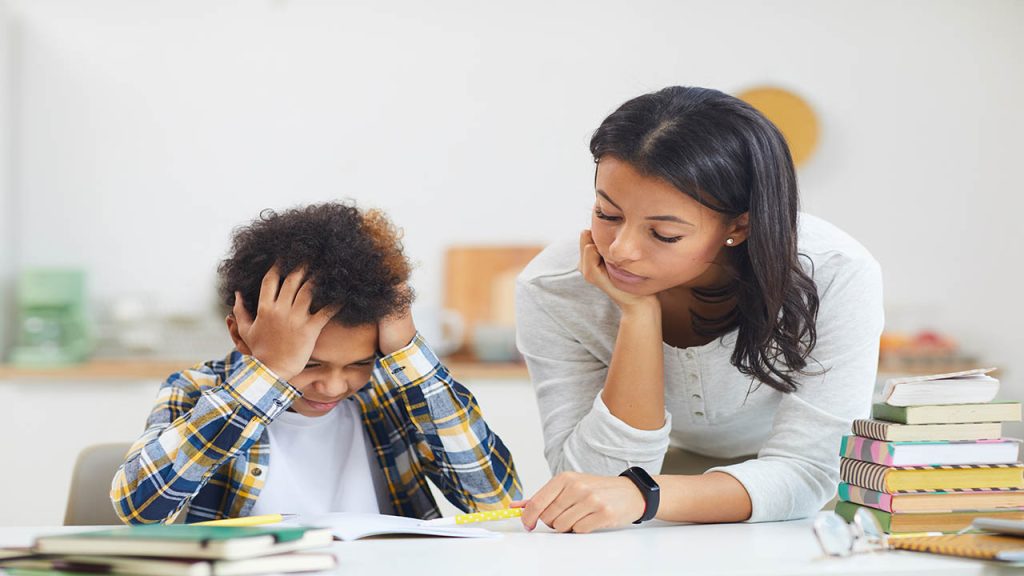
(186, 541)
(948, 413)
(903, 523)
(145, 566)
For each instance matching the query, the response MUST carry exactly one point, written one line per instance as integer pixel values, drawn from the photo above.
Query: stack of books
(933, 457)
(170, 550)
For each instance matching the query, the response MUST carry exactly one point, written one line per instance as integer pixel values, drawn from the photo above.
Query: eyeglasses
(839, 538)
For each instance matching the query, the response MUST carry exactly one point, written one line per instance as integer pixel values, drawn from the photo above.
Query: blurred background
(135, 135)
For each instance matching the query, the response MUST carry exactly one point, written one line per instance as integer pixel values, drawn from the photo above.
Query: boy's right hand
(283, 334)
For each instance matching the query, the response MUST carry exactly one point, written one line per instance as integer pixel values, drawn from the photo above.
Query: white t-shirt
(321, 465)
(566, 330)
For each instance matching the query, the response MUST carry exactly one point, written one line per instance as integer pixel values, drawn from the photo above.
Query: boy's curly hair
(354, 259)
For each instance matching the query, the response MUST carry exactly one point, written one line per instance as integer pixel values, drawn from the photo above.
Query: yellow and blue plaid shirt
(206, 445)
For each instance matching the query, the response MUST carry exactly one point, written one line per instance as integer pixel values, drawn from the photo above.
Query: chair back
(89, 499)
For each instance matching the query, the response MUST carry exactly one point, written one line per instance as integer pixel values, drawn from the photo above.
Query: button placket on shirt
(693, 387)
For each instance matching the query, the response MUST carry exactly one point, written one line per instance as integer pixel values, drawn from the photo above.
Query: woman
(702, 311)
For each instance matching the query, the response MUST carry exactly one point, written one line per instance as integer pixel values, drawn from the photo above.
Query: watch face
(642, 475)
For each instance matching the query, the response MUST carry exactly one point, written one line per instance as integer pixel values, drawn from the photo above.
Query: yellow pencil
(476, 517)
(246, 520)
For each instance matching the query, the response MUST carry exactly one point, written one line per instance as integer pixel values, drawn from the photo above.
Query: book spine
(889, 413)
(865, 497)
(871, 429)
(864, 474)
(867, 450)
(847, 510)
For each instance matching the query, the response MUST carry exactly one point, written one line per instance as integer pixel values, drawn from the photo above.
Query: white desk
(727, 549)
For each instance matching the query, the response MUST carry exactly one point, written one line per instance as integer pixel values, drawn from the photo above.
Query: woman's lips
(321, 406)
(621, 275)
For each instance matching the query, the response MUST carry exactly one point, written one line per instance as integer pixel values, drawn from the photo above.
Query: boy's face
(340, 365)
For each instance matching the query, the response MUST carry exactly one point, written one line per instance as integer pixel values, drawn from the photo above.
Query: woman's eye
(666, 239)
(603, 216)
(311, 365)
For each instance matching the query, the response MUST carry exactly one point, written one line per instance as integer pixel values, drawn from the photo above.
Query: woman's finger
(563, 502)
(570, 516)
(537, 504)
(589, 523)
(591, 264)
(585, 239)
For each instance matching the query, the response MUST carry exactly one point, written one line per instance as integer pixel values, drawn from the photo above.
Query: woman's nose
(625, 247)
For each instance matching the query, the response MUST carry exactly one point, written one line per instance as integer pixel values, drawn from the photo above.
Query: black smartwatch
(648, 488)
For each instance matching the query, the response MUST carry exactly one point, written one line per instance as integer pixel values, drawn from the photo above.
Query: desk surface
(727, 549)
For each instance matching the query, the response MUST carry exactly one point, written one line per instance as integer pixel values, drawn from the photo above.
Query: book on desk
(171, 550)
(932, 457)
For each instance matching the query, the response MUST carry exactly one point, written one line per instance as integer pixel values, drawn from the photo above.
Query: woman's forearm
(714, 497)
(634, 390)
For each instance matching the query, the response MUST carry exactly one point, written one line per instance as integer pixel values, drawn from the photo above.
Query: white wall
(147, 130)
(7, 231)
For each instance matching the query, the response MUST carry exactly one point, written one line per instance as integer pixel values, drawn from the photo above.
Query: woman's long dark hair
(724, 154)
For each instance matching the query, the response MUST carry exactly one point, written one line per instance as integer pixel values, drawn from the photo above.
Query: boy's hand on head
(283, 333)
(395, 332)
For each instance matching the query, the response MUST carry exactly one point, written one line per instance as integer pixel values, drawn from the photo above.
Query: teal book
(186, 541)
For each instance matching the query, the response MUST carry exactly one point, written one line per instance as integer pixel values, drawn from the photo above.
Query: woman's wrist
(646, 310)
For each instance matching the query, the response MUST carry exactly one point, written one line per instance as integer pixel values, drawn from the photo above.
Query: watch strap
(648, 488)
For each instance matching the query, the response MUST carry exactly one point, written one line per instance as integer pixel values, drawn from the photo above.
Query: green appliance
(52, 326)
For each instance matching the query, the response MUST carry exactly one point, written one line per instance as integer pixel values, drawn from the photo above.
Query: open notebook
(353, 526)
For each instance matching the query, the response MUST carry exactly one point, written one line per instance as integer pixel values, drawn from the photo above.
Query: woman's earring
(729, 241)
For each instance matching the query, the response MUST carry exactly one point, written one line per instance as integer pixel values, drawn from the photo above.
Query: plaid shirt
(206, 444)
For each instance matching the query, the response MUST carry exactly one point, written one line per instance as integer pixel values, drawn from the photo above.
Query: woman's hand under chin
(594, 271)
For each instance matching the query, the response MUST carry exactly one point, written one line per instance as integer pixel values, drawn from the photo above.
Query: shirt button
(257, 472)
(698, 413)
(696, 396)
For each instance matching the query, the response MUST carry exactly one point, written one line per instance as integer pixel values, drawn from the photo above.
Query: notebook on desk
(353, 526)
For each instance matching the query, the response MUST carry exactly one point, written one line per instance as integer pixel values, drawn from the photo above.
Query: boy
(329, 376)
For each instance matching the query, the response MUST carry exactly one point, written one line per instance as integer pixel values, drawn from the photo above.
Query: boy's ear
(739, 229)
(235, 336)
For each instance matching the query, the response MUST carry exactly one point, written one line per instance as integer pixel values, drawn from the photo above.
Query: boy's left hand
(395, 332)
(574, 502)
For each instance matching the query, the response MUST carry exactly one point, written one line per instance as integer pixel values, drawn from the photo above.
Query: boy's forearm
(208, 432)
(448, 416)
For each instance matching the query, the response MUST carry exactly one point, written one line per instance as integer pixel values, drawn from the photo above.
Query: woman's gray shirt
(566, 330)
